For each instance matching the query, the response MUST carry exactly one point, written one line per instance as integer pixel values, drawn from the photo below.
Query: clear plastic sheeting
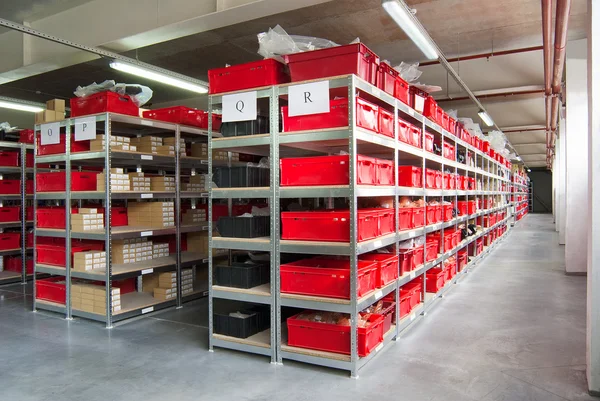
(276, 43)
(497, 140)
(409, 72)
(472, 127)
(452, 113)
(139, 94)
(5, 126)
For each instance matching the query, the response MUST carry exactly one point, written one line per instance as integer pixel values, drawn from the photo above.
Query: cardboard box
(45, 116)
(56, 105)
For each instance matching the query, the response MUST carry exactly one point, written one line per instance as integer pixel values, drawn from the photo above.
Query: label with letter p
(85, 128)
(312, 98)
(239, 107)
(50, 134)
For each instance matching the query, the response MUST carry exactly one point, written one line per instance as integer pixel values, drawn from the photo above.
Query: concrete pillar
(576, 141)
(561, 188)
(593, 223)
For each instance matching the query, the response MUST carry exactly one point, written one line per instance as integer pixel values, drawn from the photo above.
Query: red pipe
(546, 35)
(486, 55)
(491, 95)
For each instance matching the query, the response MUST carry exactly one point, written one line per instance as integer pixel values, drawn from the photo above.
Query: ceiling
(32, 10)
(460, 27)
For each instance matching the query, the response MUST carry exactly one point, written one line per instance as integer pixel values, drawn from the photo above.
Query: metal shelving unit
(492, 179)
(135, 303)
(21, 173)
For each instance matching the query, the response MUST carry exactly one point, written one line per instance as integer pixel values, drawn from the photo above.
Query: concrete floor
(512, 329)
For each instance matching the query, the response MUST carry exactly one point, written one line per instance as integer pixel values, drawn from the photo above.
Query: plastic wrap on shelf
(276, 42)
(140, 94)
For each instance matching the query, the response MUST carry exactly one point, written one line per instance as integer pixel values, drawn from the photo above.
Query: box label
(146, 157)
(239, 107)
(148, 310)
(147, 196)
(312, 98)
(85, 128)
(147, 271)
(50, 134)
(147, 122)
(378, 295)
(146, 233)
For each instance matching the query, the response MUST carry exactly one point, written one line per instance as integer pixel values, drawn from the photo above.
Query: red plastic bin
(326, 170)
(386, 78)
(387, 220)
(326, 277)
(461, 260)
(334, 338)
(56, 181)
(10, 241)
(431, 213)
(331, 226)
(336, 117)
(10, 158)
(448, 151)
(430, 178)
(430, 251)
(10, 187)
(447, 212)
(59, 148)
(51, 289)
(386, 123)
(54, 254)
(436, 278)
(405, 259)
(52, 217)
(389, 315)
(387, 267)
(415, 136)
(355, 59)
(248, 75)
(10, 213)
(418, 219)
(405, 220)
(103, 102)
(405, 297)
(418, 99)
(367, 115)
(404, 133)
(428, 142)
(410, 176)
(184, 116)
(385, 172)
(418, 257)
(26, 136)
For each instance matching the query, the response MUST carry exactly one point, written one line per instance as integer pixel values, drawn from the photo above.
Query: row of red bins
(9, 241)
(413, 258)
(411, 176)
(438, 276)
(57, 181)
(476, 247)
(334, 225)
(13, 187)
(12, 158)
(449, 241)
(15, 264)
(411, 295)
(10, 214)
(53, 289)
(52, 251)
(54, 216)
(330, 277)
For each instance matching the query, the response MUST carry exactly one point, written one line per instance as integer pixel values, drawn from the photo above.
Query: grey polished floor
(513, 329)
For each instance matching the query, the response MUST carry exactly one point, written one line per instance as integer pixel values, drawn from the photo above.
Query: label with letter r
(312, 98)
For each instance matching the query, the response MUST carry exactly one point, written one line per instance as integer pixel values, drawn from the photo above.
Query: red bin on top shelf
(26, 136)
(246, 76)
(103, 102)
(184, 116)
(354, 58)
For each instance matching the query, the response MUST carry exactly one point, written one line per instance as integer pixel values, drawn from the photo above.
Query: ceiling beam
(529, 144)
(491, 93)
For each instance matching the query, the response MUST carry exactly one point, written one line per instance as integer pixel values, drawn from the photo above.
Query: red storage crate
(471, 183)
(477, 142)
(404, 133)
(387, 221)
(444, 122)
(466, 207)
(385, 172)
(451, 125)
(418, 214)
(405, 297)
(389, 315)
(462, 208)
(431, 214)
(336, 117)
(418, 99)
(56, 181)
(405, 220)
(448, 181)
(492, 153)
(329, 226)
(340, 60)
(26, 136)
(10, 214)
(386, 123)
(10, 158)
(118, 216)
(59, 148)
(447, 212)
(367, 115)
(245, 76)
(415, 136)
(405, 259)
(10, 187)
(416, 289)
(438, 179)
(430, 108)
(461, 260)
(430, 251)
(29, 160)
(51, 289)
(10, 241)
(439, 117)
(410, 176)
(55, 254)
(430, 181)
(428, 142)
(29, 213)
(103, 102)
(29, 187)
(184, 116)
(418, 257)
(326, 170)
(326, 277)
(461, 182)
(436, 278)
(448, 151)
(402, 90)
(485, 146)
(387, 267)
(15, 264)
(52, 217)
(386, 78)
(334, 338)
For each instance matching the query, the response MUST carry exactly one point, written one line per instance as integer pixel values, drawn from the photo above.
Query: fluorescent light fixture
(405, 21)
(20, 106)
(519, 158)
(158, 77)
(485, 117)
(529, 170)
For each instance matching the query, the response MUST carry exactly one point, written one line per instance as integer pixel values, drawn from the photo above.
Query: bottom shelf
(259, 343)
(9, 277)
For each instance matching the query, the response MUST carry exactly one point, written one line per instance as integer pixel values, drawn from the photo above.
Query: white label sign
(145, 233)
(148, 310)
(146, 157)
(310, 98)
(147, 271)
(85, 128)
(50, 134)
(239, 107)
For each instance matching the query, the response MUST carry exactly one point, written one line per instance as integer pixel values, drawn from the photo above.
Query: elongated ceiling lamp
(157, 76)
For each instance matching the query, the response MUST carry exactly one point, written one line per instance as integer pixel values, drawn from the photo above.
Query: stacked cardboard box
(87, 219)
(92, 298)
(172, 142)
(132, 250)
(91, 260)
(167, 286)
(198, 242)
(118, 143)
(151, 214)
(201, 150)
(138, 182)
(196, 183)
(162, 184)
(119, 180)
(160, 250)
(187, 282)
(192, 216)
(149, 144)
(55, 111)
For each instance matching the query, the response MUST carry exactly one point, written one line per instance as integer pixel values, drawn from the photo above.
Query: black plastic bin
(242, 275)
(244, 227)
(241, 177)
(239, 327)
(244, 128)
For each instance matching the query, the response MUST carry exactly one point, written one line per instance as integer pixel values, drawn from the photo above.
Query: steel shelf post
(23, 155)
(210, 228)
(275, 222)
(352, 151)
(178, 215)
(108, 219)
(69, 311)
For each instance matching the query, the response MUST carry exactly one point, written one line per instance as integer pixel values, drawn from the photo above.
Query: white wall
(576, 141)
(561, 189)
